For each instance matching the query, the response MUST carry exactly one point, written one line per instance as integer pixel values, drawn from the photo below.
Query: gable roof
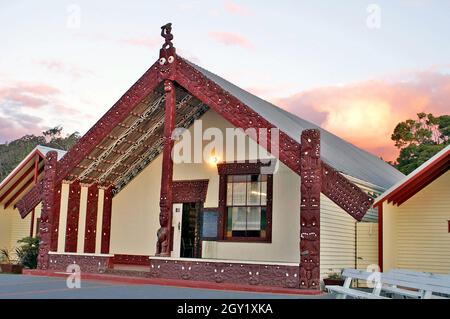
(130, 135)
(21, 179)
(342, 155)
(418, 179)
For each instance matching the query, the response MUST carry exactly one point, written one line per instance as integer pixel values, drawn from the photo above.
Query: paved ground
(33, 287)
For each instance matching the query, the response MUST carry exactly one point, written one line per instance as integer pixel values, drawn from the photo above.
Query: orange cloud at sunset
(366, 113)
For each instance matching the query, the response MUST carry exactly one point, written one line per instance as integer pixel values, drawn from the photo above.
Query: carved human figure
(162, 244)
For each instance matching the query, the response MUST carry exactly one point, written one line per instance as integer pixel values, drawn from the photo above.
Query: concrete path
(35, 287)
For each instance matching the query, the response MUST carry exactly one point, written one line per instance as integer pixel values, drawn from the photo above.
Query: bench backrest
(445, 277)
(425, 283)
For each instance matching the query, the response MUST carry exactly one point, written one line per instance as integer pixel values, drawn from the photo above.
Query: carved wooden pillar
(310, 166)
(90, 232)
(73, 215)
(163, 245)
(48, 208)
(106, 222)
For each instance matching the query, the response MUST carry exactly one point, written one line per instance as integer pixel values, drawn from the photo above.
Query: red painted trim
(106, 222)
(448, 226)
(73, 214)
(21, 178)
(419, 181)
(7, 180)
(91, 219)
(380, 236)
(22, 189)
(178, 283)
(420, 184)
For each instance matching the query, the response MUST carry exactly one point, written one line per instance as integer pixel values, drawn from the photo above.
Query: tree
(11, 154)
(420, 139)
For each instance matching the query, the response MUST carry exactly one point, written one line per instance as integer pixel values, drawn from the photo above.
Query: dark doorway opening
(190, 231)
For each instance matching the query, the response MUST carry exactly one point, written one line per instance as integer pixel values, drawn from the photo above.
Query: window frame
(243, 168)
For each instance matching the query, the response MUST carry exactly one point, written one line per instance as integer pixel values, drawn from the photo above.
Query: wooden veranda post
(311, 182)
(49, 196)
(166, 74)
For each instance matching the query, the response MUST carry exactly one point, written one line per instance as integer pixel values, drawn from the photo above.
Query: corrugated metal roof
(342, 155)
(431, 161)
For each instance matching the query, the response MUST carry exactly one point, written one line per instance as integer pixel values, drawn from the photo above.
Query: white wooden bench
(346, 290)
(403, 283)
(414, 293)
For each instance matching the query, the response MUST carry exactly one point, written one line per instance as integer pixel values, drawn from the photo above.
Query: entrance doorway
(190, 231)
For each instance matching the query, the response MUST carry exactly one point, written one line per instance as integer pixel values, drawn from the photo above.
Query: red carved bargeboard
(310, 175)
(48, 207)
(89, 264)
(73, 213)
(223, 272)
(91, 219)
(234, 111)
(30, 200)
(193, 191)
(344, 193)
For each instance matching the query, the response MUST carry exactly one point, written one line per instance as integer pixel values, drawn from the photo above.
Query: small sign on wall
(210, 224)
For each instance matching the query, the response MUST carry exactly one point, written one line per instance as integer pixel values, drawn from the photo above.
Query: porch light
(213, 160)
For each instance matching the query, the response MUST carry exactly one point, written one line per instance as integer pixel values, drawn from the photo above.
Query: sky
(356, 68)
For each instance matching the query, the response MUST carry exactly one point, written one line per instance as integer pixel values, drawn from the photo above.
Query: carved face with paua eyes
(309, 271)
(309, 229)
(166, 62)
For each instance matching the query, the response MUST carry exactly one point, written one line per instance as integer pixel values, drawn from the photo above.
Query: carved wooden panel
(30, 200)
(89, 264)
(55, 217)
(73, 214)
(106, 222)
(131, 260)
(344, 193)
(164, 237)
(222, 272)
(310, 174)
(48, 200)
(190, 191)
(91, 219)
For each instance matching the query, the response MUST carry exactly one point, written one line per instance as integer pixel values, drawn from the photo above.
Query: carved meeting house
(117, 197)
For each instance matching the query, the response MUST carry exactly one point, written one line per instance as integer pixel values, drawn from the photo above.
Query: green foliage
(28, 252)
(420, 139)
(6, 257)
(11, 154)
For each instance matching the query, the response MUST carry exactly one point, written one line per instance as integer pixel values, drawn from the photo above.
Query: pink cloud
(366, 113)
(63, 67)
(235, 8)
(231, 39)
(27, 95)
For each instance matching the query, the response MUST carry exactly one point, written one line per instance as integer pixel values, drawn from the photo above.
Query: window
(246, 206)
(245, 202)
